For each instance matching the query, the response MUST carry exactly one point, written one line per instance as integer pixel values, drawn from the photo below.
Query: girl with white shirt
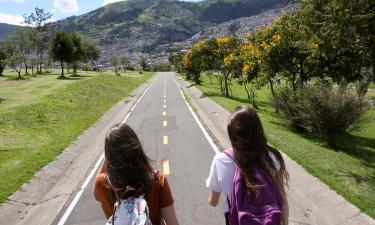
(250, 151)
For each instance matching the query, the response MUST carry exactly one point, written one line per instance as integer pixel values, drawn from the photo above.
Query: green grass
(41, 117)
(349, 170)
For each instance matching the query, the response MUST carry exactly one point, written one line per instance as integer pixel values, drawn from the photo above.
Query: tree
(115, 61)
(25, 37)
(177, 61)
(15, 51)
(200, 57)
(3, 57)
(251, 68)
(224, 60)
(40, 21)
(91, 52)
(144, 65)
(62, 49)
(33, 62)
(19, 47)
(192, 64)
(78, 53)
(124, 62)
(345, 31)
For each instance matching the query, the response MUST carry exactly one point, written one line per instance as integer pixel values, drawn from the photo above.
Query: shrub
(321, 109)
(129, 68)
(87, 67)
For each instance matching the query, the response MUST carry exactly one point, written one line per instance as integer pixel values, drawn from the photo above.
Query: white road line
(209, 139)
(87, 181)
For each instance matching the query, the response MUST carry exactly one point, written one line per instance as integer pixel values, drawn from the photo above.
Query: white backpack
(131, 211)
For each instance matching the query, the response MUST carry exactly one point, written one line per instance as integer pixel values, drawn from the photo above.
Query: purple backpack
(262, 209)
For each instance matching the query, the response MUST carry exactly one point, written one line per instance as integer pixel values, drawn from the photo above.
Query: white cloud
(66, 6)
(11, 19)
(18, 1)
(105, 2)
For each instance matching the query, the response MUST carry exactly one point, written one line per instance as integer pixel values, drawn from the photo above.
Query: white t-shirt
(221, 175)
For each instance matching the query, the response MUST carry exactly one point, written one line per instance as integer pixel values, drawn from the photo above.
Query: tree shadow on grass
(214, 94)
(357, 146)
(78, 75)
(362, 148)
(69, 78)
(5, 76)
(359, 179)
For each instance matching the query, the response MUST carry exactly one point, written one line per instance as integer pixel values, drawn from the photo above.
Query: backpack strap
(229, 152)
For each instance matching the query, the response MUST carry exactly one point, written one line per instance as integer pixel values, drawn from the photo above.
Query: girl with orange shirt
(127, 166)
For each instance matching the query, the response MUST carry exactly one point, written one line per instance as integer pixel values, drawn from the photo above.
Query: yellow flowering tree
(284, 50)
(250, 56)
(193, 62)
(226, 60)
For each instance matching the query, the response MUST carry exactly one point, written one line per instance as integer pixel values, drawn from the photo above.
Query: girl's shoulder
(159, 178)
(225, 156)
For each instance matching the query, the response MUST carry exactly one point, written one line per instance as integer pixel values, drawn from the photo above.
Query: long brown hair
(251, 150)
(127, 164)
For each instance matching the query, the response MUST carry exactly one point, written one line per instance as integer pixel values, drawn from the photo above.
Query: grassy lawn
(41, 116)
(349, 170)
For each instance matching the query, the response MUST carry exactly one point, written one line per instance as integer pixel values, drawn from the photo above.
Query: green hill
(141, 25)
(6, 29)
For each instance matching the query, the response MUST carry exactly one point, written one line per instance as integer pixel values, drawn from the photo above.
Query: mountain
(143, 25)
(6, 29)
(239, 27)
(242, 26)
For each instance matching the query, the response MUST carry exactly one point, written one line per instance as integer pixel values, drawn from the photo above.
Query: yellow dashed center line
(165, 123)
(165, 106)
(165, 100)
(166, 169)
(164, 113)
(165, 140)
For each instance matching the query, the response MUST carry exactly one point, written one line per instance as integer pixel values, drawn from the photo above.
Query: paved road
(168, 131)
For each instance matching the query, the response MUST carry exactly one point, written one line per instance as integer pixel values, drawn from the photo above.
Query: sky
(11, 11)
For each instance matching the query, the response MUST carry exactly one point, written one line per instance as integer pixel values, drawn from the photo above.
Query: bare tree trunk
(247, 91)
(226, 85)
(40, 60)
(19, 72)
(276, 103)
(62, 69)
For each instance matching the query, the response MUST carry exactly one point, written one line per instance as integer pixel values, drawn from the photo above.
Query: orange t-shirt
(159, 196)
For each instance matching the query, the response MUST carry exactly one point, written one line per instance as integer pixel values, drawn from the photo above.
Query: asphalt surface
(168, 132)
